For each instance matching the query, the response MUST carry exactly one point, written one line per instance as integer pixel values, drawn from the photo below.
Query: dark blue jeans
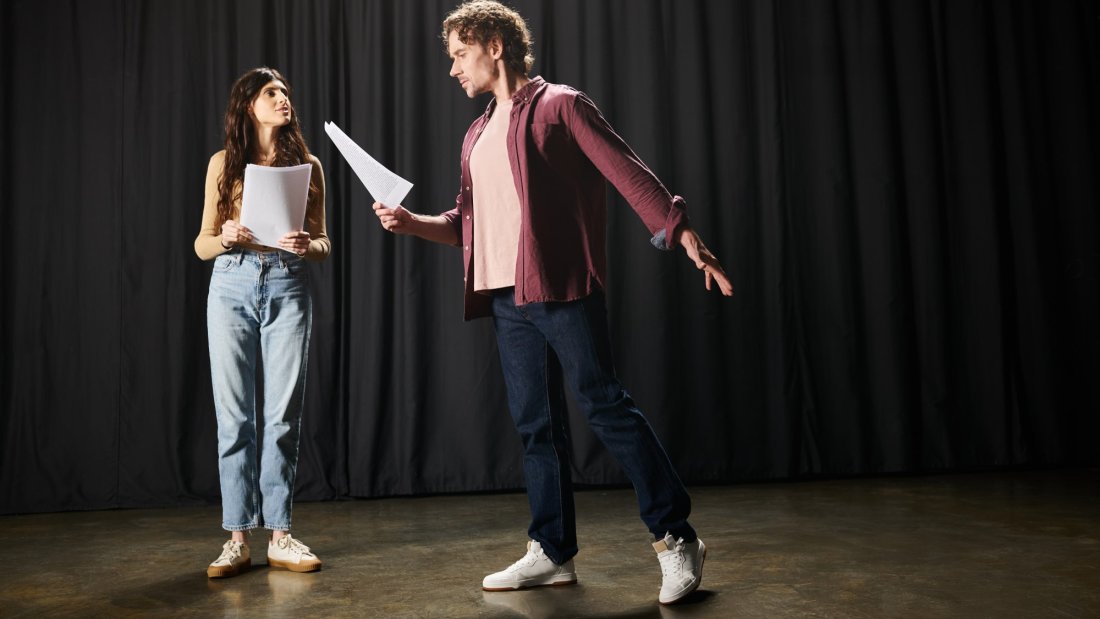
(539, 342)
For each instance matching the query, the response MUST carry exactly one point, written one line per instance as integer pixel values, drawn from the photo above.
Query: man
(531, 219)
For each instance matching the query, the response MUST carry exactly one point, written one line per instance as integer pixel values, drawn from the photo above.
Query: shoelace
(231, 550)
(295, 546)
(527, 560)
(672, 564)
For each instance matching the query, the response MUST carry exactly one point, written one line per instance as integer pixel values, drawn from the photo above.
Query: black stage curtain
(905, 195)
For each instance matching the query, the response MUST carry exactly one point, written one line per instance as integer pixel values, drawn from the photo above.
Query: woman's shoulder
(216, 166)
(318, 172)
(217, 160)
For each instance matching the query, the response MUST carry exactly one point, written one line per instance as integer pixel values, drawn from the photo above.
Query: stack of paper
(274, 201)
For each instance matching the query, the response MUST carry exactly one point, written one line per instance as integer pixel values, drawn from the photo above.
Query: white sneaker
(681, 567)
(292, 554)
(535, 569)
(232, 561)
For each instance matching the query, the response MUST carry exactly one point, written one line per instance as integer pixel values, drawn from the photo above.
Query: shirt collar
(523, 95)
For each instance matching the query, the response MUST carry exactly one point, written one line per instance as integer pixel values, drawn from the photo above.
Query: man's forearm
(432, 228)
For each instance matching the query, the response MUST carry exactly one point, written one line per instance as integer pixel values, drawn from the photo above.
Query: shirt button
(467, 217)
(467, 248)
(467, 189)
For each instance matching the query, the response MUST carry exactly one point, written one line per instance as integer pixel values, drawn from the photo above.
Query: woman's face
(271, 108)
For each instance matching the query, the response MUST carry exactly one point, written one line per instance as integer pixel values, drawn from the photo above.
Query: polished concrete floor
(1019, 544)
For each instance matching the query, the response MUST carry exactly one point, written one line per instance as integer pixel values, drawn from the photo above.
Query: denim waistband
(269, 257)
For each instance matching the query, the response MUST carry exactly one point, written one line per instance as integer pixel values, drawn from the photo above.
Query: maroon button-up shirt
(561, 150)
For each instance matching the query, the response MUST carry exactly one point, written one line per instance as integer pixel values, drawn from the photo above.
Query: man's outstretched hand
(705, 261)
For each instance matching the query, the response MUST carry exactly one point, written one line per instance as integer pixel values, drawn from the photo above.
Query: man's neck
(508, 84)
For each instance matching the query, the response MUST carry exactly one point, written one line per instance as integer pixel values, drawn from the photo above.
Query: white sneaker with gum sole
(535, 569)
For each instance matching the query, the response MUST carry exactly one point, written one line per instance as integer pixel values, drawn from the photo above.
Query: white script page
(382, 184)
(274, 201)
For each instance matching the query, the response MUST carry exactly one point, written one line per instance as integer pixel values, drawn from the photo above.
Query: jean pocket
(225, 262)
(293, 263)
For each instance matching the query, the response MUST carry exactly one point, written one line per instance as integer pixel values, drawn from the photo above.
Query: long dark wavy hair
(241, 140)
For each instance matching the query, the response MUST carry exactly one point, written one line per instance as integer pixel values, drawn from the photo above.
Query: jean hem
(550, 550)
(685, 532)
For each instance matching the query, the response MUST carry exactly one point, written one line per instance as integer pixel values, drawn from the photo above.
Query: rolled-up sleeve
(454, 217)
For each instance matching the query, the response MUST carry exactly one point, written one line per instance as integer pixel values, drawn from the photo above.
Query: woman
(259, 308)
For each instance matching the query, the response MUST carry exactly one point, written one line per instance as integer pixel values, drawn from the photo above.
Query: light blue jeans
(258, 306)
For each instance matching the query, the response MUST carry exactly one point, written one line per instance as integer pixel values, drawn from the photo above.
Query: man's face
(473, 65)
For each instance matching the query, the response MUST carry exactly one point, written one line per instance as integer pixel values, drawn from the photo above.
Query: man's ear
(495, 47)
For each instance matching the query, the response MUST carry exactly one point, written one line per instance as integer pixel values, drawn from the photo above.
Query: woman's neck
(265, 145)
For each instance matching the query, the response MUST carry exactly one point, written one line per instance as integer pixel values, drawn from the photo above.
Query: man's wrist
(679, 236)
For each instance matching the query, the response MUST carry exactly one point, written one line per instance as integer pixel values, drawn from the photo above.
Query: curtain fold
(904, 194)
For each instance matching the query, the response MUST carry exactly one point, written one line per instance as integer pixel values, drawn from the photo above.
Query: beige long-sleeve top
(208, 244)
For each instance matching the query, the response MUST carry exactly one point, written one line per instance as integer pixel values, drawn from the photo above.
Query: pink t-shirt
(496, 206)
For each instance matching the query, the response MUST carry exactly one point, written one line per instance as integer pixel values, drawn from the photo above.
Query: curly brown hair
(240, 139)
(482, 21)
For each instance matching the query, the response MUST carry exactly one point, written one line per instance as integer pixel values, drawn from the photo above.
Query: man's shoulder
(563, 94)
(555, 102)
